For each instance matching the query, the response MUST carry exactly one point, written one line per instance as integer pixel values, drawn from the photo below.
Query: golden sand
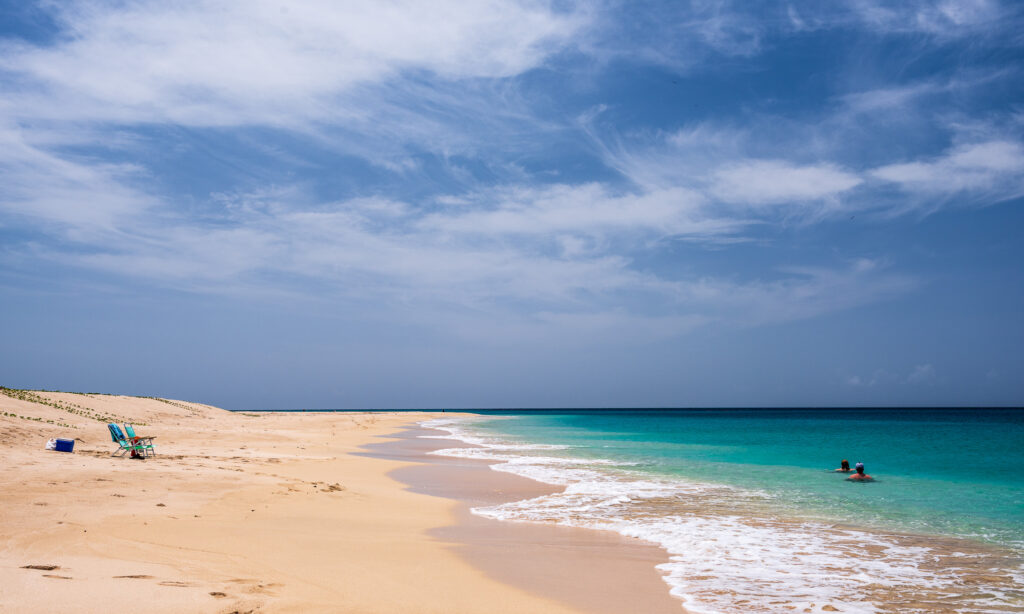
(235, 513)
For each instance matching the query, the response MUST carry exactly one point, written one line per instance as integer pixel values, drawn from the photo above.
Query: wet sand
(593, 571)
(236, 513)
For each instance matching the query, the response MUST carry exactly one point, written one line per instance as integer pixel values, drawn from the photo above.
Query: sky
(505, 203)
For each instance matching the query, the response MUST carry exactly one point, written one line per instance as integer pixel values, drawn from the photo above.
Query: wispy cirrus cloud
(588, 210)
(383, 82)
(691, 34)
(82, 197)
(941, 19)
(537, 255)
(774, 182)
(211, 63)
(946, 18)
(378, 79)
(987, 172)
(848, 158)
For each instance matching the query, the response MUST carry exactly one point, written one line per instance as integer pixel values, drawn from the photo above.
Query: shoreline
(235, 513)
(735, 550)
(347, 512)
(610, 574)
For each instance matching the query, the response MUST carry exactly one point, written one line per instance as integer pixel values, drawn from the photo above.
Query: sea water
(753, 515)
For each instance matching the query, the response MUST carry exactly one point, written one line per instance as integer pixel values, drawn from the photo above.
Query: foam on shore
(728, 550)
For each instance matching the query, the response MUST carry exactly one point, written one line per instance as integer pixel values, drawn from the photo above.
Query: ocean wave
(456, 430)
(727, 553)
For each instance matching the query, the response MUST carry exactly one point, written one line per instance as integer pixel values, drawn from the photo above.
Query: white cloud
(588, 210)
(922, 374)
(83, 196)
(799, 293)
(896, 101)
(994, 169)
(941, 16)
(772, 182)
(743, 172)
(728, 32)
(405, 73)
(945, 18)
(892, 97)
(879, 377)
(995, 156)
(561, 251)
(211, 62)
(722, 164)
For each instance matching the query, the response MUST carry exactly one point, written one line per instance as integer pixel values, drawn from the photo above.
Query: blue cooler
(65, 445)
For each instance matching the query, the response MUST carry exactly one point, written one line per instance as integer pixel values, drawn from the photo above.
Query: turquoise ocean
(753, 516)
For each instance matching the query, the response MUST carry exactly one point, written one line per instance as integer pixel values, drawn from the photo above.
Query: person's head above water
(859, 467)
(845, 465)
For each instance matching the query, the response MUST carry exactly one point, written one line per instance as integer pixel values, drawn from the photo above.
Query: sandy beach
(595, 571)
(251, 512)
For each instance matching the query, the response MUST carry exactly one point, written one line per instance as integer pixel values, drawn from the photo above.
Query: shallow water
(752, 517)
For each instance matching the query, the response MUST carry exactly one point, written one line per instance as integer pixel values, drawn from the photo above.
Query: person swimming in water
(860, 476)
(844, 467)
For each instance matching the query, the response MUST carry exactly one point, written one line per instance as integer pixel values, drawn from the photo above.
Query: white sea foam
(725, 552)
(456, 429)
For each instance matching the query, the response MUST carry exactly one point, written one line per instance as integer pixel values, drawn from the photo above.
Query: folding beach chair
(124, 444)
(143, 443)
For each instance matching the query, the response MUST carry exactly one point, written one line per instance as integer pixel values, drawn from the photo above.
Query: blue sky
(514, 204)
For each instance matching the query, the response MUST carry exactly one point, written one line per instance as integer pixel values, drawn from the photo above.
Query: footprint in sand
(136, 577)
(256, 587)
(175, 583)
(219, 594)
(41, 567)
(50, 575)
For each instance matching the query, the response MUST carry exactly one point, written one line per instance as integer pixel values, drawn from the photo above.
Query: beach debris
(218, 594)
